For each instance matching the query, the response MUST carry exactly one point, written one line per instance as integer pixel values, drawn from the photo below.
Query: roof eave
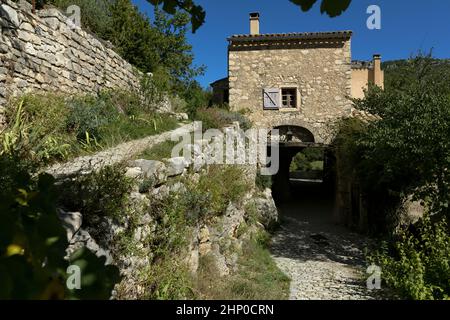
(292, 36)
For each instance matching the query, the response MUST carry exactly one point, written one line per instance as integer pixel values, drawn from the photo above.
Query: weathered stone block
(10, 15)
(151, 169)
(176, 166)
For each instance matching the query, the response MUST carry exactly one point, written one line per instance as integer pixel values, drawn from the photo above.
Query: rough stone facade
(313, 69)
(41, 52)
(319, 71)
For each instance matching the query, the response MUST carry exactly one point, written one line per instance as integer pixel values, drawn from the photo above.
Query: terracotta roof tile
(292, 36)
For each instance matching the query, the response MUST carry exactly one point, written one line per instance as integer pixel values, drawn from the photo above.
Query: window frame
(295, 92)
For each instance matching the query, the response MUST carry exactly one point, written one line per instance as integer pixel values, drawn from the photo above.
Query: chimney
(378, 74)
(254, 23)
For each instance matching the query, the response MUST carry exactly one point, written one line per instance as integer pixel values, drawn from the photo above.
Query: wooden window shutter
(271, 98)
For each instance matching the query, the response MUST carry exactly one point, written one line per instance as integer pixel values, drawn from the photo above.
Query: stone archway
(292, 139)
(295, 134)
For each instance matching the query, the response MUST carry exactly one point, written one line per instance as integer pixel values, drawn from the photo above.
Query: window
(289, 98)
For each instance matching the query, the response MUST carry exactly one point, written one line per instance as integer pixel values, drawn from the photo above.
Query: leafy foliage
(33, 241)
(221, 186)
(87, 115)
(95, 14)
(256, 278)
(53, 127)
(407, 151)
(400, 73)
(417, 265)
(309, 159)
(103, 193)
(263, 182)
(196, 12)
(333, 8)
(217, 118)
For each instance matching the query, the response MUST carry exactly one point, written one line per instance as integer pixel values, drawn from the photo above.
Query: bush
(222, 185)
(87, 115)
(56, 127)
(263, 182)
(417, 265)
(309, 159)
(126, 102)
(99, 194)
(216, 118)
(256, 278)
(37, 123)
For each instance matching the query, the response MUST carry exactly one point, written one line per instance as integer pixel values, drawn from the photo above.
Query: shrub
(256, 278)
(309, 159)
(417, 265)
(98, 194)
(126, 102)
(87, 115)
(37, 121)
(56, 127)
(222, 185)
(263, 182)
(216, 118)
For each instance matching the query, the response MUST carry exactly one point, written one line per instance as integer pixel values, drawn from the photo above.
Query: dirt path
(324, 261)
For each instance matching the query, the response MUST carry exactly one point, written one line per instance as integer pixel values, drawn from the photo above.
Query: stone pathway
(119, 153)
(323, 260)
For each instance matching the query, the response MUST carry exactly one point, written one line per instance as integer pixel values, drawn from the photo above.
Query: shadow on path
(323, 259)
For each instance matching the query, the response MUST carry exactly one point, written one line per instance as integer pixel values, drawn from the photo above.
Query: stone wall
(321, 74)
(220, 240)
(40, 52)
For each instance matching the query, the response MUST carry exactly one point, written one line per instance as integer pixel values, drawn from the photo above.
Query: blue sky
(407, 26)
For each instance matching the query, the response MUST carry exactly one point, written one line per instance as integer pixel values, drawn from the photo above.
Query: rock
(137, 234)
(83, 239)
(178, 187)
(71, 221)
(181, 116)
(145, 219)
(204, 235)
(9, 14)
(152, 169)
(232, 219)
(204, 241)
(25, 5)
(176, 166)
(161, 192)
(266, 209)
(219, 261)
(134, 173)
(193, 260)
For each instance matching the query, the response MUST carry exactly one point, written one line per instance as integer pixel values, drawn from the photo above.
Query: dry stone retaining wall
(41, 52)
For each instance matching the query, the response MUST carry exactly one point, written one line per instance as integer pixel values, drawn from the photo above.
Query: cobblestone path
(324, 261)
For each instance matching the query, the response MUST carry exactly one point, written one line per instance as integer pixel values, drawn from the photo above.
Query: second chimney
(378, 74)
(254, 23)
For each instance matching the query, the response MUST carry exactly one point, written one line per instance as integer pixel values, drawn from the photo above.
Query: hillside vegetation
(404, 156)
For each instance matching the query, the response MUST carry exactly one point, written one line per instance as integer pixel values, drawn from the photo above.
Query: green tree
(407, 150)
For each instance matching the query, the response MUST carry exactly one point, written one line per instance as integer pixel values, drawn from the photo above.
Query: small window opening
(289, 97)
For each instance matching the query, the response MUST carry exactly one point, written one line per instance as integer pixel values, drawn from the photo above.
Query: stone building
(300, 83)
(298, 80)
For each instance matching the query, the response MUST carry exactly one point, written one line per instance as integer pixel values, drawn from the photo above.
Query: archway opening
(308, 165)
(305, 180)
